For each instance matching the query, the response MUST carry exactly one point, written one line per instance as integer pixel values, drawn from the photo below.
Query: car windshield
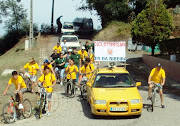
(70, 39)
(68, 27)
(113, 81)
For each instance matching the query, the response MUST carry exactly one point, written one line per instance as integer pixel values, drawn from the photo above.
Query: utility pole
(52, 18)
(31, 25)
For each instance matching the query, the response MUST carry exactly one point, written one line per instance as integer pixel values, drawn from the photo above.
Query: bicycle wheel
(83, 92)
(9, 113)
(38, 116)
(26, 112)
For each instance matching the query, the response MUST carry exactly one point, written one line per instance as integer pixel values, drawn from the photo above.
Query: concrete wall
(172, 69)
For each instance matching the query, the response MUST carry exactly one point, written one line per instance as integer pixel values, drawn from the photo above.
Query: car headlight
(99, 101)
(134, 101)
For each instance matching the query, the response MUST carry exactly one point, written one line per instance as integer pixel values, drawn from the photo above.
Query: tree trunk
(153, 47)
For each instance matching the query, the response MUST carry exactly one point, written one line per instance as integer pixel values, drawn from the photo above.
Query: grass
(115, 31)
(15, 59)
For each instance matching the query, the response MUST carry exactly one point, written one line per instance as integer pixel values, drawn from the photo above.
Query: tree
(16, 13)
(109, 10)
(153, 25)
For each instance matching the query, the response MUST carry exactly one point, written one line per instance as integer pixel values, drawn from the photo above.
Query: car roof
(114, 70)
(69, 36)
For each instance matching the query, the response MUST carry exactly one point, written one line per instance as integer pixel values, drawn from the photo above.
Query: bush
(171, 46)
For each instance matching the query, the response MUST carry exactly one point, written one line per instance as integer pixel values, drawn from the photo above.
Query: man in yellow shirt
(72, 70)
(83, 53)
(58, 48)
(20, 86)
(32, 67)
(88, 68)
(47, 63)
(157, 76)
(49, 81)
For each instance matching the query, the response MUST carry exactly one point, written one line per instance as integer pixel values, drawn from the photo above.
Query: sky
(42, 10)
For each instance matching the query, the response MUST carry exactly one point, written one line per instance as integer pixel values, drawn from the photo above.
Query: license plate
(118, 109)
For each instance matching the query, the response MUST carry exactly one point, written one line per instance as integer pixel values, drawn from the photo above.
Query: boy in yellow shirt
(32, 67)
(58, 48)
(157, 76)
(72, 70)
(49, 81)
(20, 86)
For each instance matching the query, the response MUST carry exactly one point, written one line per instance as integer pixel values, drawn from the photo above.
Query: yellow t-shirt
(92, 58)
(32, 68)
(156, 76)
(83, 55)
(48, 80)
(87, 70)
(59, 49)
(73, 74)
(42, 67)
(19, 80)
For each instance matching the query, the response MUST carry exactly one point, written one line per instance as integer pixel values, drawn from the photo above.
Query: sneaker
(162, 106)
(61, 83)
(21, 106)
(48, 113)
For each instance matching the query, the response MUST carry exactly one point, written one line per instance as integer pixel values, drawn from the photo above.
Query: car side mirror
(89, 84)
(138, 84)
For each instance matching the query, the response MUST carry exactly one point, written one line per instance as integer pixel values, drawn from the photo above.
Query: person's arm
(163, 81)
(7, 87)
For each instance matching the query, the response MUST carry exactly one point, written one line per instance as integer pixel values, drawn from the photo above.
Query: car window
(113, 80)
(69, 39)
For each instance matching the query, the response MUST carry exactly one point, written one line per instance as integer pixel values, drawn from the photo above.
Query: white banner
(110, 51)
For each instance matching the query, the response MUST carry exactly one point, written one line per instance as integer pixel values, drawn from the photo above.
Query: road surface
(76, 112)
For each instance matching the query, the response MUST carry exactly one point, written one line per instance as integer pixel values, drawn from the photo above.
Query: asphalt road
(76, 112)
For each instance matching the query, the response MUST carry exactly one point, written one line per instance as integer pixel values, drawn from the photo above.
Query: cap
(70, 50)
(159, 65)
(83, 47)
(46, 61)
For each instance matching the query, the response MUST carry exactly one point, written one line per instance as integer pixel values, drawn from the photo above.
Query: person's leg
(150, 90)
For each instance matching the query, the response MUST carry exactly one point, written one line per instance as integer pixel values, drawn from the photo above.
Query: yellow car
(112, 92)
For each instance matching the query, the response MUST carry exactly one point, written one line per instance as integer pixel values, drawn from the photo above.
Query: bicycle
(42, 102)
(153, 98)
(83, 86)
(11, 112)
(27, 80)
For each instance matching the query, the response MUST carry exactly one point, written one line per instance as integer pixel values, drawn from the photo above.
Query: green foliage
(152, 25)
(109, 10)
(171, 46)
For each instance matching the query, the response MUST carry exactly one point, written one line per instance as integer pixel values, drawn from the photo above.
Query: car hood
(73, 44)
(115, 93)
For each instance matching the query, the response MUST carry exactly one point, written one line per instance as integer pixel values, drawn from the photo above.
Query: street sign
(110, 51)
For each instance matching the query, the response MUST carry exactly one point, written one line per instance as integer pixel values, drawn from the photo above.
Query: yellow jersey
(17, 81)
(47, 80)
(83, 55)
(156, 76)
(87, 70)
(32, 68)
(71, 74)
(59, 49)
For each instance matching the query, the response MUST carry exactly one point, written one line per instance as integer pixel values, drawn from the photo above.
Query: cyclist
(157, 76)
(49, 81)
(71, 73)
(83, 53)
(77, 61)
(58, 48)
(32, 67)
(20, 86)
(60, 67)
(87, 46)
(88, 68)
(46, 63)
